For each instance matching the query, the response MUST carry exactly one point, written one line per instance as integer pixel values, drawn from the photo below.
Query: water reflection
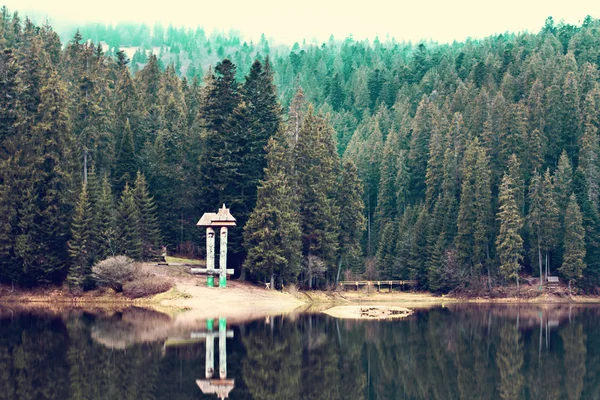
(461, 352)
(220, 387)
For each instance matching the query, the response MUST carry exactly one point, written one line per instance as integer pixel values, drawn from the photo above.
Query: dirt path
(191, 300)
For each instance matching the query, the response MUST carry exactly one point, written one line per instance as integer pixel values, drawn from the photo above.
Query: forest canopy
(458, 165)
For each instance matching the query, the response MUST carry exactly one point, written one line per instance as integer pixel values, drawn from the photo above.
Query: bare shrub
(314, 269)
(292, 289)
(114, 272)
(147, 285)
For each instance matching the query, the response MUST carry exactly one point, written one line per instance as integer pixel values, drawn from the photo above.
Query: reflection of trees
(574, 358)
(97, 372)
(38, 367)
(320, 359)
(463, 353)
(273, 360)
(6, 369)
(509, 359)
(475, 373)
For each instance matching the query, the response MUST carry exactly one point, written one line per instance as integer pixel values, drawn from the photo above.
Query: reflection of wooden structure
(378, 284)
(222, 386)
(222, 220)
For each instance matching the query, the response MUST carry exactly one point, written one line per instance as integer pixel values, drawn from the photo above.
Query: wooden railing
(402, 284)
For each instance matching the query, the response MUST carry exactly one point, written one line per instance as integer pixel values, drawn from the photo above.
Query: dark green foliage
(574, 243)
(509, 242)
(81, 245)
(272, 236)
(105, 219)
(316, 166)
(129, 242)
(125, 167)
(406, 115)
(148, 222)
(352, 220)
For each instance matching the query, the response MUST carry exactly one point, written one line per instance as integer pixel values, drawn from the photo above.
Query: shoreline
(190, 297)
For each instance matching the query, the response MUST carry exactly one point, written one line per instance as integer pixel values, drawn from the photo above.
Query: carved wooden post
(222, 348)
(223, 259)
(209, 367)
(222, 220)
(210, 256)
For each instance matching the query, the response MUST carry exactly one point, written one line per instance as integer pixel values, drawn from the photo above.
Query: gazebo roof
(221, 218)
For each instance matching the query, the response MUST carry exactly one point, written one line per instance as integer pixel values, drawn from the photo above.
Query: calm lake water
(460, 352)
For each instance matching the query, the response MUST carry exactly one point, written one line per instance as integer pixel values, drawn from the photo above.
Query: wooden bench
(552, 282)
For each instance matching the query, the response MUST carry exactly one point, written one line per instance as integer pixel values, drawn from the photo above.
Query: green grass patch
(177, 260)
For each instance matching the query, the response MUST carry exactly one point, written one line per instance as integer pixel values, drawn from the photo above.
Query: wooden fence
(376, 285)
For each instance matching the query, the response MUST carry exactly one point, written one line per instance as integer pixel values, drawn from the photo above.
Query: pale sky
(289, 21)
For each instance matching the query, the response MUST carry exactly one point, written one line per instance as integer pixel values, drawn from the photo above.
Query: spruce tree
(125, 166)
(106, 222)
(474, 214)
(574, 243)
(316, 167)
(352, 221)
(129, 242)
(509, 244)
(386, 253)
(550, 227)
(81, 245)
(47, 201)
(148, 221)
(535, 218)
(589, 150)
(272, 236)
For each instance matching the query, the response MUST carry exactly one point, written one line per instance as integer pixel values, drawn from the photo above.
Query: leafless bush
(146, 286)
(114, 272)
(133, 279)
(292, 289)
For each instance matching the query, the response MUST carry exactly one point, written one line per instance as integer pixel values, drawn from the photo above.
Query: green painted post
(210, 324)
(222, 324)
(210, 281)
(222, 281)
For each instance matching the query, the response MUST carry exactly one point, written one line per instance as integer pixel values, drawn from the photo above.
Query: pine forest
(462, 166)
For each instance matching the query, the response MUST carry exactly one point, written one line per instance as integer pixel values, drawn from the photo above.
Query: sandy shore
(191, 302)
(368, 312)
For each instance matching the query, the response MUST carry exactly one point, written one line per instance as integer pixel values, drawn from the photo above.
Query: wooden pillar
(210, 256)
(222, 348)
(209, 367)
(223, 258)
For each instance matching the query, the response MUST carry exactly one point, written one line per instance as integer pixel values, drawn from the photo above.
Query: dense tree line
(97, 162)
(469, 153)
(479, 160)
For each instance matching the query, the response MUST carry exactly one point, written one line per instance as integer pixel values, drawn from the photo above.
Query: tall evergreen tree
(148, 223)
(125, 166)
(574, 243)
(550, 226)
(316, 167)
(352, 220)
(81, 244)
(105, 221)
(509, 243)
(535, 218)
(129, 242)
(47, 204)
(272, 236)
